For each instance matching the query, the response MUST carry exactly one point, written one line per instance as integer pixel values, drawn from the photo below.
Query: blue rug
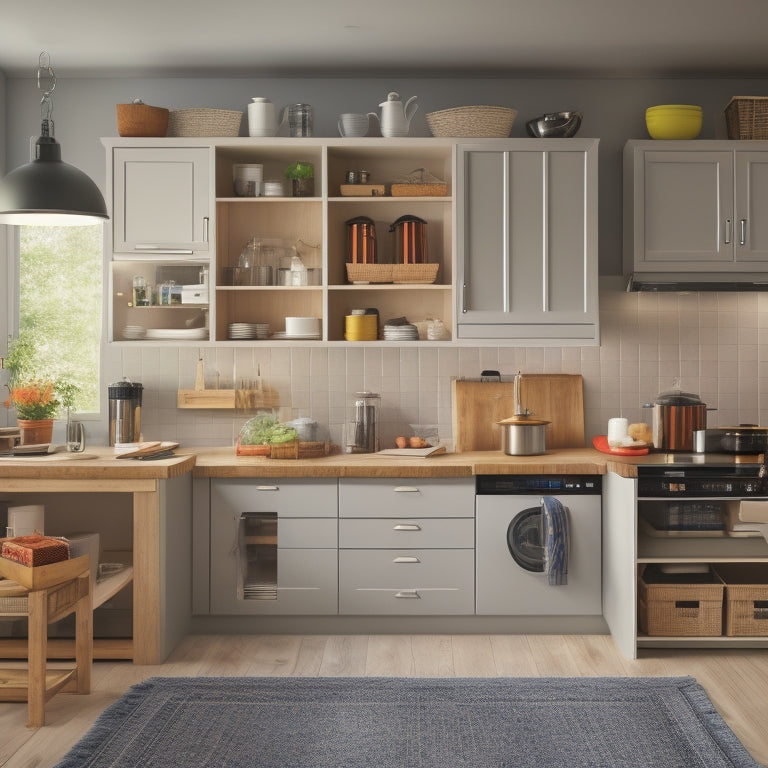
(411, 723)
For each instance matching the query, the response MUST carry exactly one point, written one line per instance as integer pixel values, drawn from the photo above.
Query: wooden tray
(362, 190)
(43, 576)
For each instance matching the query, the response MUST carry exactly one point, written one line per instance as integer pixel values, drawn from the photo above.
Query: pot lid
(677, 397)
(523, 419)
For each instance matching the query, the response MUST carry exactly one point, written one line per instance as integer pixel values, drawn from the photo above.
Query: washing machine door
(525, 539)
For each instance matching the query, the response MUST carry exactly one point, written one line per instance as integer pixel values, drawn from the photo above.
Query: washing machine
(510, 563)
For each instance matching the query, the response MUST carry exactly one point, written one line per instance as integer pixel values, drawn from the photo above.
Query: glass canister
(300, 120)
(363, 429)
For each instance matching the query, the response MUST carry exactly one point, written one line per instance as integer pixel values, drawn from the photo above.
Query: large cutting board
(556, 397)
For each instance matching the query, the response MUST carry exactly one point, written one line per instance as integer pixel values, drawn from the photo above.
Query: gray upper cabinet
(161, 200)
(695, 207)
(527, 245)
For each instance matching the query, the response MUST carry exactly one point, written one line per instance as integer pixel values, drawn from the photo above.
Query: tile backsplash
(713, 344)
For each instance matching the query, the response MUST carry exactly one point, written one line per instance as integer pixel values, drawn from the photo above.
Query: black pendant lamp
(47, 191)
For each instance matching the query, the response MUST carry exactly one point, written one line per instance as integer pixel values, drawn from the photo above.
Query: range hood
(696, 281)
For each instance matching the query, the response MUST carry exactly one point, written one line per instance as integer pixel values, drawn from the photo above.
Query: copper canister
(410, 240)
(361, 241)
(674, 425)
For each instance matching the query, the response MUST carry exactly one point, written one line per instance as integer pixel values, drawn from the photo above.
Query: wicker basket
(414, 273)
(679, 609)
(747, 117)
(746, 598)
(284, 450)
(369, 273)
(204, 122)
(472, 122)
(141, 120)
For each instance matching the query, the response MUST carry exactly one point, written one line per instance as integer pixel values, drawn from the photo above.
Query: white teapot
(395, 118)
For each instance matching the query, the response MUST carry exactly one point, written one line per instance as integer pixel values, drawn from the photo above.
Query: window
(60, 297)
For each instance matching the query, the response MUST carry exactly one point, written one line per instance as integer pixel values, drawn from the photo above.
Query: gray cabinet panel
(294, 497)
(406, 582)
(527, 259)
(407, 533)
(751, 220)
(161, 199)
(406, 497)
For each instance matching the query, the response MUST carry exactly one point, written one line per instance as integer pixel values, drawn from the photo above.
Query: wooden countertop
(222, 462)
(97, 463)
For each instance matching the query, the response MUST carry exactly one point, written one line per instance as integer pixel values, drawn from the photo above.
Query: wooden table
(161, 492)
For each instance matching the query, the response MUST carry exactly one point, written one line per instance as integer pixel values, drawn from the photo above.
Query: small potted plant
(302, 178)
(35, 398)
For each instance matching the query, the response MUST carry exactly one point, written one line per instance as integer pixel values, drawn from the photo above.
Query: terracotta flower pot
(35, 431)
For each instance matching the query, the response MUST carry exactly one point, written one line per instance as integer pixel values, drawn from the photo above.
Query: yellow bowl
(674, 108)
(673, 124)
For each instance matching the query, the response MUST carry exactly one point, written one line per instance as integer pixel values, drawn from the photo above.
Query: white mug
(353, 124)
(617, 432)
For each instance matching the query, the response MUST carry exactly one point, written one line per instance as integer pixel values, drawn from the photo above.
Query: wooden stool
(46, 594)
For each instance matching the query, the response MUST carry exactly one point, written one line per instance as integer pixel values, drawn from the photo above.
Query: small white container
(303, 326)
(617, 432)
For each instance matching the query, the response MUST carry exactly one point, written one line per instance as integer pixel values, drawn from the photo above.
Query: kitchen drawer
(294, 497)
(407, 582)
(435, 533)
(407, 497)
(307, 533)
(307, 584)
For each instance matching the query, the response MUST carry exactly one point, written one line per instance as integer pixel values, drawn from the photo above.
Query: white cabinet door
(528, 240)
(161, 200)
(684, 210)
(751, 223)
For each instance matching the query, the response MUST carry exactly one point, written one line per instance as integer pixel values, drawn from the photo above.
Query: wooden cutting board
(556, 397)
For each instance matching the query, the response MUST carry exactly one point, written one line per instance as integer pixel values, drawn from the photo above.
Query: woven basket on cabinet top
(204, 122)
(472, 122)
(746, 117)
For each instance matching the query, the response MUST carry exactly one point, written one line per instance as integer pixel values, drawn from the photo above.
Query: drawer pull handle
(407, 594)
(406, 489)
(267, 487)
(407, 527)
(406, 560)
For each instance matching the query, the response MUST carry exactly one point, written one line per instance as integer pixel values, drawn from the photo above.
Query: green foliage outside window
(60, 307)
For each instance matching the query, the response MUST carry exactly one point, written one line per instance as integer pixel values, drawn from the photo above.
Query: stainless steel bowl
(555, 125)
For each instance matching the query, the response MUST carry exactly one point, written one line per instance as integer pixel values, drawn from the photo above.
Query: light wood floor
(735, 680)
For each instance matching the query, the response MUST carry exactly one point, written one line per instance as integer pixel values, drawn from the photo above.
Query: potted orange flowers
(36, 406)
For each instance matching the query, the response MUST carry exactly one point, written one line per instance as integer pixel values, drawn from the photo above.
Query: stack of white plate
(247, 179)
(134, 332)
(248, 331)
(407, 332)
(177, 333)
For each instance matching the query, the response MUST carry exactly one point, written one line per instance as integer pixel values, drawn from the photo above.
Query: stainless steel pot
(522, 435)
(676, 416)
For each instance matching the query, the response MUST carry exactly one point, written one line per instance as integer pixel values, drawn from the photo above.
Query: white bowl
(302, 326)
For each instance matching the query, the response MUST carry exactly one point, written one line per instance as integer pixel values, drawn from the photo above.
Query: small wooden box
(43, 576)
(35, 550)
(362, 190)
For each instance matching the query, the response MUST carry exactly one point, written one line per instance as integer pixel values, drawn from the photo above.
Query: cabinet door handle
(406, 527)
(408, 594)
(743, 231)
(406, 489)
(267, 487)
(406, 560)
(205, 228)
(727, 231)
(155, 248)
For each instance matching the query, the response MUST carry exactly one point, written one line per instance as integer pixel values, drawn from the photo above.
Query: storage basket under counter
(680, 604)
(746, 598)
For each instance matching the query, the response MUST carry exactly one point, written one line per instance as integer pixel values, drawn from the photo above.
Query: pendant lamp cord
(46, 82)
